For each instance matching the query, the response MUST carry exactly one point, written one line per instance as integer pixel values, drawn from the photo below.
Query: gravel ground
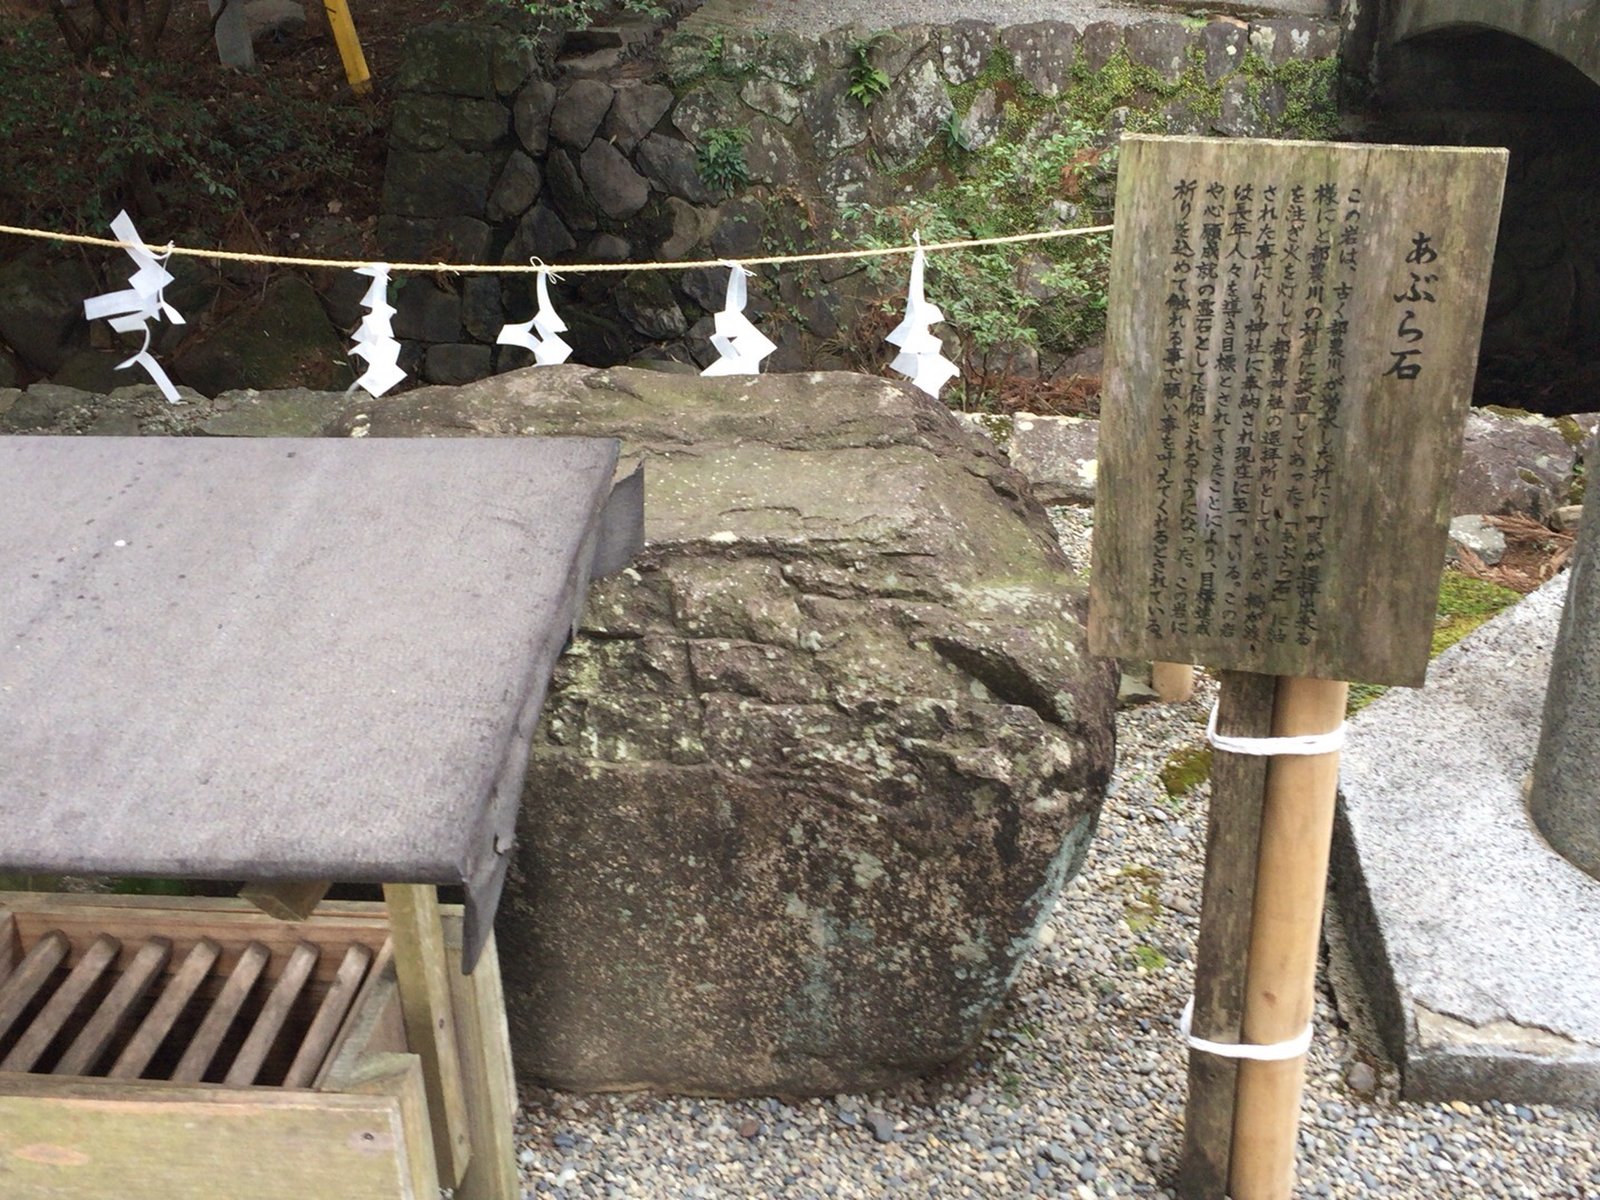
(1078, 1092)
(809, 18)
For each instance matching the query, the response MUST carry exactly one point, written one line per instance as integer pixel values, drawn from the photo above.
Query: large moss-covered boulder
(816, 767)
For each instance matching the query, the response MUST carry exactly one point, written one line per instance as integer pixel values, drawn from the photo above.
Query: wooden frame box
(156, 1048)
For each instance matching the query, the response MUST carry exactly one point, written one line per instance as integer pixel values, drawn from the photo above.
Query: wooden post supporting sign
(1173, 683)
(1233, 838)
(1280, 978)
(1290, 350)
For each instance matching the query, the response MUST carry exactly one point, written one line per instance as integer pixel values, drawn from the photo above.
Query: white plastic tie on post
(132, 309)
(739, 344)
(1274, 747)
(374, 337)
(540, 334)
(1272, 1052)
(921, 354)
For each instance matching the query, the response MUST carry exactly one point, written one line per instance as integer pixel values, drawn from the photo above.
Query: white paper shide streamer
(539, 334)
(374, 337)
(132, 309)
(739, 344)
(921, 354)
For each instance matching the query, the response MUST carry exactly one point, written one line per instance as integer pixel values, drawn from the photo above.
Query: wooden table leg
(486, 1072)
(425, 1000)
(286, 899)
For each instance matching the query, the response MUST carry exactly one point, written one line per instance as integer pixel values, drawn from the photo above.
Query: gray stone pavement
(1479, 944)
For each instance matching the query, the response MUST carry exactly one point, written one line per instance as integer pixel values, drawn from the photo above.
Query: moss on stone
(997, 426)
(1310, 96)
(1506, 411)
(1311, 109)
(1186, 770)
(1095, 94)
(998, 68)
(1010, 183)
(688, 58)
(1464, 604)
(1570, 431)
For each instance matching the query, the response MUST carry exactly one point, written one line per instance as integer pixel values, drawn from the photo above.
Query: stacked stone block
(606, 161)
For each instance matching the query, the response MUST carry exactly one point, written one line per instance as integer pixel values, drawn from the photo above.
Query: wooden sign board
(1289, 357)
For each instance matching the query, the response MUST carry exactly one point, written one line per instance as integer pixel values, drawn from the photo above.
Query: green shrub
(720, 156)
(1005, 188)
(124, 130)
(576, 14)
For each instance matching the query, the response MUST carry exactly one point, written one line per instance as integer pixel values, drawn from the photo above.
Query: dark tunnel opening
(1476, 87)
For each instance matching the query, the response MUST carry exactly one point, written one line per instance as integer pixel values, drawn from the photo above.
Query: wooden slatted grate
(130, 1008)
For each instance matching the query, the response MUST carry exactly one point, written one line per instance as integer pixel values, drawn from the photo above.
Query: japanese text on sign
(1259, 276)
(1290, 348)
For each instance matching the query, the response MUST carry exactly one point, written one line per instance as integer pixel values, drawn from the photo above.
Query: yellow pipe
(344, 35)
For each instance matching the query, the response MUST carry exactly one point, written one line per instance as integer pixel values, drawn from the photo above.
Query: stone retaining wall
(733, 146)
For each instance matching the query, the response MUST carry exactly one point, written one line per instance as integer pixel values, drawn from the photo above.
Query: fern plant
(868, 81)
(720, 157)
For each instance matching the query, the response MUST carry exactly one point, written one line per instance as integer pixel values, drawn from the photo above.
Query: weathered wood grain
(129, 989)
(1233, 835)
(286, 899)
(47, 1026)
(175, 996)
(23, 984)
(400, 1076)
(425, 1000)
(486, 1071)
(1186, 548)
(10, 952)
(1291, 880)
(270, 1020)
(374, 1026)
(220, 1016)
(314, 1047)
(65, 1139)
(229, 923)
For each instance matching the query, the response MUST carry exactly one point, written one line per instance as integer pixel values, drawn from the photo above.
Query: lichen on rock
(817, 766)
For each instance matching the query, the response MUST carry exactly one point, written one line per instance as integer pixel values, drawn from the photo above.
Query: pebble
(1362, 1079)
(882, 1126)
(1078, 1093)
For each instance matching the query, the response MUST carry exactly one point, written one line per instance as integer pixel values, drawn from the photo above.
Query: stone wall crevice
(734, 145)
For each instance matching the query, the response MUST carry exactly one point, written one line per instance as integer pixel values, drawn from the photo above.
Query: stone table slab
(283, 658)
(1479, 945)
